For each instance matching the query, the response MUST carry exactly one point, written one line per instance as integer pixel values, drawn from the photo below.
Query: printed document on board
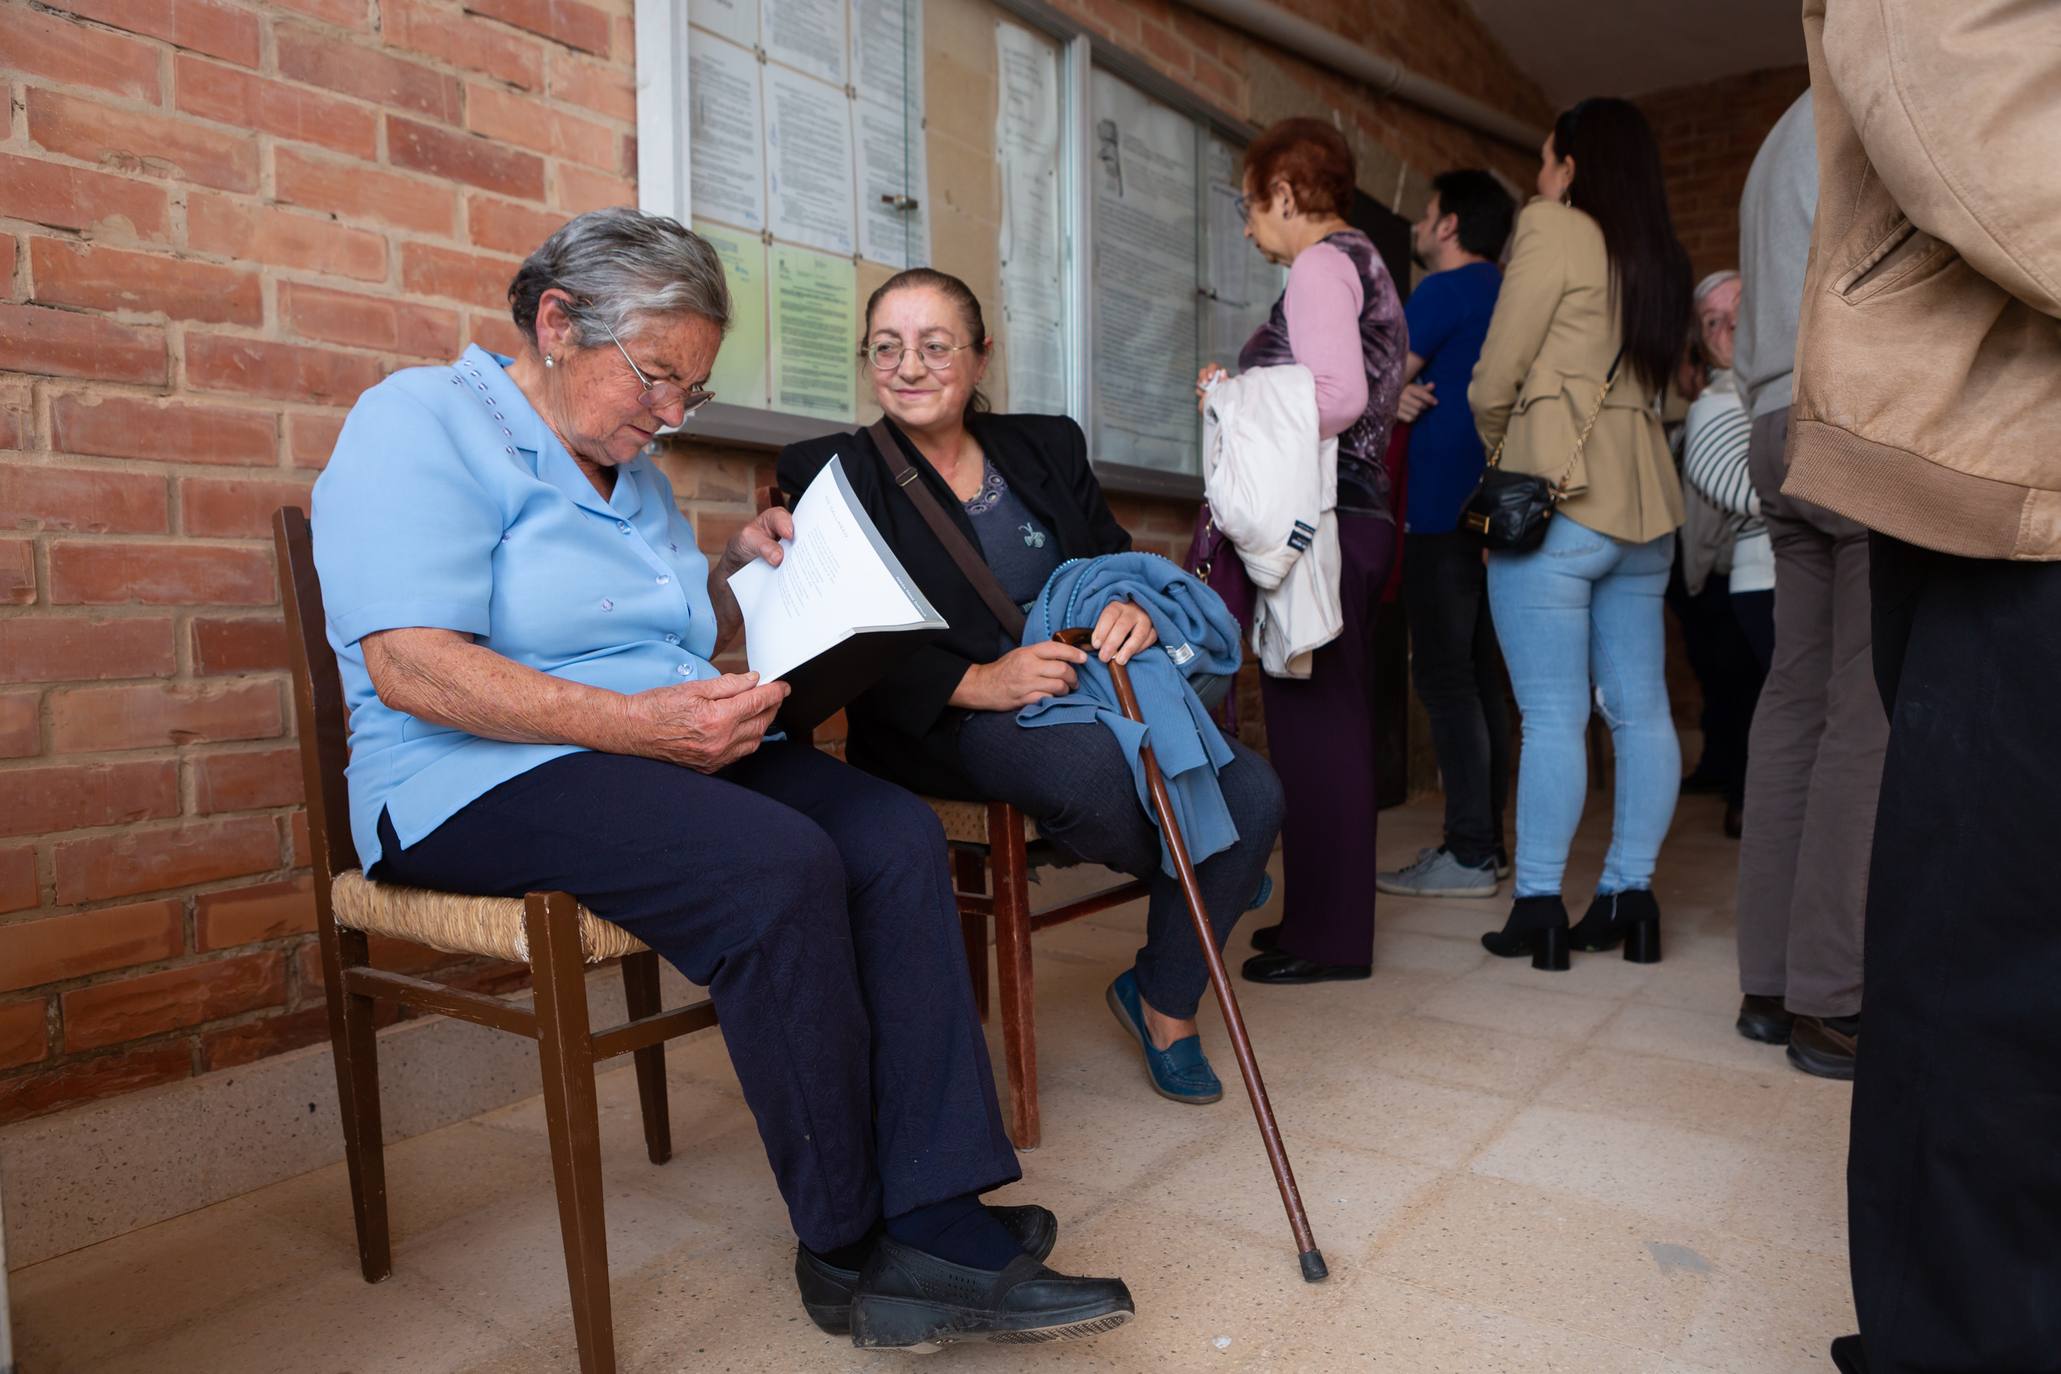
(837, 612)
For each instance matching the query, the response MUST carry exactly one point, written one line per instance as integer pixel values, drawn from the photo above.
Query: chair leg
(970, 877)
(640, 997)
(565, 1052)
(1013, 969)
(354, 1046)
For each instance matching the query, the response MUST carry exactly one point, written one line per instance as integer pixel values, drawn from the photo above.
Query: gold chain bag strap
(1509, 510)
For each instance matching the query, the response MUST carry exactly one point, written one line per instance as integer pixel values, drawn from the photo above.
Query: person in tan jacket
(1586, 333)
(1928, 408)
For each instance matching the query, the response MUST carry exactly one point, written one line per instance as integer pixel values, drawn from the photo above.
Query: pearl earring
(549, 361)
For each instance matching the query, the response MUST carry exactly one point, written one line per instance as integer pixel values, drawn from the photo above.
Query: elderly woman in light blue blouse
(524, 627)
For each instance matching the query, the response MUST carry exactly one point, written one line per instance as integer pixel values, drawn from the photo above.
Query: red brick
(604, 90)
(502, 226)
(320, 59)
(93, 573)
(98, 278)
(18, 878)
(63, 343)
(358, 192)
(133, 141)
(430, 271)
(233, 97)
(517, 118)
(289, 372)
(20, 730)
(130, 862)
(76, 649)
(1219, 83)
(68, 53)
(89, 719)
(311, 437)
(17, 573)
(170, 431)
(246, 915)
(73, 796)
(238, 646)
(207, 26)
(580, 190)
(249, 781)
(260, 1039)
(497, 332)
(299, 843)
(568, 21)
(55, 497)
(24, 1032)
(1164, 48)
(393, 326)
(463, 42)
(17, 424)
(345, 14)
(130, 1008)
(263, 233)
(61, 947)
(463, 157)
(87, 1080)
(236, 508)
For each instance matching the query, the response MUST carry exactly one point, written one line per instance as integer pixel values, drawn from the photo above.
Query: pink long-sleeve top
(1323, 304)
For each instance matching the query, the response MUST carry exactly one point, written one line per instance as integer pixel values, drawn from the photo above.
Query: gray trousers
(1814, 763)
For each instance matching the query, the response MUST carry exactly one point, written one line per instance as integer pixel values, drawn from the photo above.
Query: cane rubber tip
(1313, 1269)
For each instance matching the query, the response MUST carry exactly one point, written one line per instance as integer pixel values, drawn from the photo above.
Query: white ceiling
(1577, 48)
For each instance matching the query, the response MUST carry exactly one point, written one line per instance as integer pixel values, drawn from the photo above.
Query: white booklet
(836, 613)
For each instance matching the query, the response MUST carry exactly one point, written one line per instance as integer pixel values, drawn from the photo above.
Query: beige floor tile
(1506, 1064)
(1692, 985)
(1606, 1271)
(1368, 1109)
(1792, 1198)
(1604, 975)
(1672, 1092)
(1519, 1009)
(1661, 1171)
(1770, 1311)
(1702, 1037)
(1451, 954)
(1350, 1196)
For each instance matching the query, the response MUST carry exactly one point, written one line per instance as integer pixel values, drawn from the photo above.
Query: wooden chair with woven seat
(549, 931)
(995, 847)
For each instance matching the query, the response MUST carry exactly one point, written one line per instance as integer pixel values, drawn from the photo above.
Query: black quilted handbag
(1509, 510)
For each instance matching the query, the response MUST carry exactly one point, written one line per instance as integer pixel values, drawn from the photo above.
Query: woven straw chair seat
(460, 924)
(966, 822)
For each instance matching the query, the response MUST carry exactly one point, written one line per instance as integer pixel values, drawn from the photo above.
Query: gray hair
(1712, 283)
(620, 267)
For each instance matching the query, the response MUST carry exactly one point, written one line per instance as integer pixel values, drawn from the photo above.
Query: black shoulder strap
(972, 566)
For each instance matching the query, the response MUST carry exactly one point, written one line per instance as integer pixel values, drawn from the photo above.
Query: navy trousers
(814, 903)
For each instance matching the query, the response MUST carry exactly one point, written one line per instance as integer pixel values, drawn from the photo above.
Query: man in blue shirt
(1459, 673)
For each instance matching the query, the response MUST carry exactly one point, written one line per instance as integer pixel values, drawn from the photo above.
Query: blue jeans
(1585, 609)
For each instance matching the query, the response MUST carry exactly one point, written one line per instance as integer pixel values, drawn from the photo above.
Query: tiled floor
(1507, 1170)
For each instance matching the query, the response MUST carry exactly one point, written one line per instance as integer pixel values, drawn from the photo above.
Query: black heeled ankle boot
(1631, 917)
(1538, 927)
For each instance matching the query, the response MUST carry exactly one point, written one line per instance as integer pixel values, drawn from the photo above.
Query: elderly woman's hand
(1122, 632)
(705, 725)
(759, 539)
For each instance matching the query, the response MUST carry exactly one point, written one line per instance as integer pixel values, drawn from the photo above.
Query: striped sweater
(1714, 464)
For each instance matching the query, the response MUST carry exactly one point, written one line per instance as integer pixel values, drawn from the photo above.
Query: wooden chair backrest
(318, 700)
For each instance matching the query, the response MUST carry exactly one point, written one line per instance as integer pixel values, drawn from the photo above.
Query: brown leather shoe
(1825, 1045)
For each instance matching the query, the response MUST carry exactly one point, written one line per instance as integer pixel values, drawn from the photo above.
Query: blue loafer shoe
(1180, 1072)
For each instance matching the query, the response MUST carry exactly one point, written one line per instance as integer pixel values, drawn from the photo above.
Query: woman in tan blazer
(1593, 310)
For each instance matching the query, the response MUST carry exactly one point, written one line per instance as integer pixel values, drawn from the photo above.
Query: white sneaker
(1437, 873)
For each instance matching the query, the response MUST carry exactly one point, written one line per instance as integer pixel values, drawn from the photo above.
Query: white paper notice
(736, 20)
(836, 579)
(1241, 285)
(888, 167)
(1033, 282)
(1145, 279)
(887, 63)
(723, 120)
(809, 162)
(807, 35)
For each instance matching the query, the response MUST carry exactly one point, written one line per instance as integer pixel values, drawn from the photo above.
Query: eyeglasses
(659, 396)
(937, 355)
(1244, 207)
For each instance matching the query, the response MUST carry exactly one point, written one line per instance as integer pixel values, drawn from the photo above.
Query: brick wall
(1708, 135)
(220, 220)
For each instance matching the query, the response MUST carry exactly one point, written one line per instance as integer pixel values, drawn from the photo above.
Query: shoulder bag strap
(972, 566)
(1495, 459)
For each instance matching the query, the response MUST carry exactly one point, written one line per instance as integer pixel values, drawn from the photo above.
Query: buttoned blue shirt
(450, 504)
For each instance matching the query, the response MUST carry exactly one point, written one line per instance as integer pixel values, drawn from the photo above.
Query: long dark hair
(960, 295)
(1618, 183)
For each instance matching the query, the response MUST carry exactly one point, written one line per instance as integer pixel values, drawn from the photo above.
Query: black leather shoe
(1630, 918)
(1279, 966)
(1266, 938)
(1538, 927)
(908, 1299)
(1825, 1046)
(1848, 1356)
(826, 1290)
(1764, 1019)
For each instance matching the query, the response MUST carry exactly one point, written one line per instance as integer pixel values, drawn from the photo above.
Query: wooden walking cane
(1313, 1268)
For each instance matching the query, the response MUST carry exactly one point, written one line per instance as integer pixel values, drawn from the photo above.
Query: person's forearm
(444, 678)
(968, 696)
(729, 615)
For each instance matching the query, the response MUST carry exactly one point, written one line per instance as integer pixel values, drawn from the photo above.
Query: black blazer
(902, 728)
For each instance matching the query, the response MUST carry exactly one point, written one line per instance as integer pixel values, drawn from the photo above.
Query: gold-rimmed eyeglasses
(658, 396)
(937, 355)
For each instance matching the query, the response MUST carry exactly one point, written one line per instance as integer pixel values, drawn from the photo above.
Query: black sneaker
(1764, 1019)
(1825, 1046)
(909, 1300)
(826, 1290)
